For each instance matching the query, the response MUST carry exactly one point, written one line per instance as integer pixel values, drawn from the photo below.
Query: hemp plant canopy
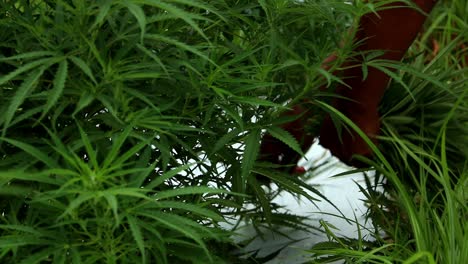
(130, 129)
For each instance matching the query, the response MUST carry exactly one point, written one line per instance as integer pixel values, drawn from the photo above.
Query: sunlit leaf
(20, 96)
(59, 85)
(139, 14)
(286, 138)
(136, 232)
(252, 147)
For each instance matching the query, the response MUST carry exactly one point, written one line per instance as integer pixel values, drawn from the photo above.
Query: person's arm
(392, 30)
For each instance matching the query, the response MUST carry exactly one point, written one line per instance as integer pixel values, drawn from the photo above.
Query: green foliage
(130, 129)
(420, 216)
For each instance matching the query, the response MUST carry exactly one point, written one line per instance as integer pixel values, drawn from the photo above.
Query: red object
(299, 170)
(392, 30)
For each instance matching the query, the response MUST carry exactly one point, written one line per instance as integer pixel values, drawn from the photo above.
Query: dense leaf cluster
(130, 129)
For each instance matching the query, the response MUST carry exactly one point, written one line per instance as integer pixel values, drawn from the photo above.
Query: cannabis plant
(130, 129)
